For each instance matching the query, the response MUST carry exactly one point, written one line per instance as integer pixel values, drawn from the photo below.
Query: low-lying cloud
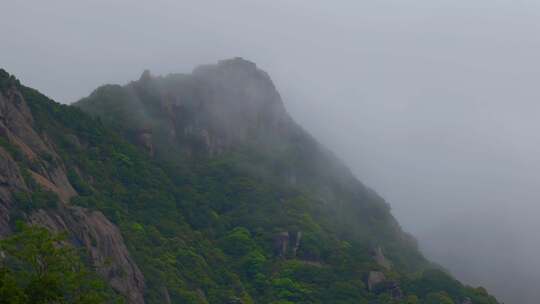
(432, 103)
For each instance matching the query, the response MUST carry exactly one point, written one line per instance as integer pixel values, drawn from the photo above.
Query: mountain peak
(235, 63)
(3, 74)
(7, 80)
(236, 70)
(229, 102)
(238, 62)
(145, 76)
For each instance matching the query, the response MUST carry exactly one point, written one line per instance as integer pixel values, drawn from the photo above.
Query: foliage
(438, 298)
(205, 228)
(39, 267)
(39, 199)
(11, 149)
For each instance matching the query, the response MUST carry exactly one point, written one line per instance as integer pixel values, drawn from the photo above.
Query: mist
(434, 104)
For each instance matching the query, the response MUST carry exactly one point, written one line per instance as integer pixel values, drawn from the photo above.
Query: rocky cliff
(212, 110)
(29, 162)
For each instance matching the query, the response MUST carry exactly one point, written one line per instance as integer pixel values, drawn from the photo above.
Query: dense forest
(217, 194)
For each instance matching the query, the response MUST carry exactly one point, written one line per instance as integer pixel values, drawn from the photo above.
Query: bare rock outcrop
(10, 181)
(378, 283)
(104, 244)
(16, 123)
(281, 243)
(90, 229)
(287, 243)
(206, 113)
(17, 128)
(380, 259)
(374, 278)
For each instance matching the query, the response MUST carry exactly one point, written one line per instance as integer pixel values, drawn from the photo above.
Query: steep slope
(233, 107)
(35, 187)
(205, 183)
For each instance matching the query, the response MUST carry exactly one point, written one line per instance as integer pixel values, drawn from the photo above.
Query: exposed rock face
(104, 243)
(297, 239)
(287, 243)
(108, 252)
(16, 124)
(17, 128)
(10, 180)
(380, 259)
(212, 110)
(239, 103)
(281, 243)
(375, 278)
(90, 229)
(377, 282)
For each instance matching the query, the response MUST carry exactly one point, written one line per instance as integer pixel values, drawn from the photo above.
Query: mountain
(200, 188)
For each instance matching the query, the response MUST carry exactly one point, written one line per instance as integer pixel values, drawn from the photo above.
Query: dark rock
(395, 291)
(281, 243)
(287, 243)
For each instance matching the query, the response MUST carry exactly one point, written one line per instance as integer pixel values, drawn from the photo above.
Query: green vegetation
(211, 230)
(39, 267)
(39, 199)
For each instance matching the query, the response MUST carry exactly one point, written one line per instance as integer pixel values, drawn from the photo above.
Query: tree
(40, 267)
(238, 242)
(438, 298)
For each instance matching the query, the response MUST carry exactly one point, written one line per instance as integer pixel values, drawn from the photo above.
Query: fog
(432, 103)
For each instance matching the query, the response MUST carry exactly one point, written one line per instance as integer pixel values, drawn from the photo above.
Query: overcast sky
(433, 103)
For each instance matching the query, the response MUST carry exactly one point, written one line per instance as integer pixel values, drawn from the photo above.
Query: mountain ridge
(204, 182)
(253, 115)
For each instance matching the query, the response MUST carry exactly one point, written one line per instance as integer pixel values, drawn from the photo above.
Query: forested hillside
(200, 188)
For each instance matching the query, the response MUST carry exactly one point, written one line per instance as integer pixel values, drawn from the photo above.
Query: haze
(432, 103)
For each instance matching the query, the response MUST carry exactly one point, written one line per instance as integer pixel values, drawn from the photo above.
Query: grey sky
(433, 103)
